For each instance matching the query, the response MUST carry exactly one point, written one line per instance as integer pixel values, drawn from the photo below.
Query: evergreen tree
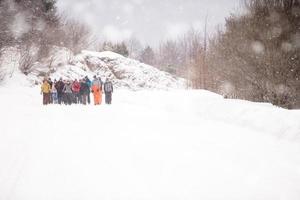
(148, 56)
(121, 48)
(107, 46)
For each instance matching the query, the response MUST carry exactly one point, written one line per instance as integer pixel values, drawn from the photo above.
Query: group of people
(76, 91)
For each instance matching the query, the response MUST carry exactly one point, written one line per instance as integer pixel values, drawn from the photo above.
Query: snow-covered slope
(124, 72)
(147, 145)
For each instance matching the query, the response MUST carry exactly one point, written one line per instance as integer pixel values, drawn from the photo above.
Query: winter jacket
(53, 90)
(108, 87)
(84, 88)
(59, 86)
(68, 89)
(88, 82)
(76, 87)
(45, 88)
(96, 88)
(96, 82)
(50, 83)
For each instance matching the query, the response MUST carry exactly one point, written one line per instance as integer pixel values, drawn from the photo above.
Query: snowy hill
(124, 72)
(127, 73)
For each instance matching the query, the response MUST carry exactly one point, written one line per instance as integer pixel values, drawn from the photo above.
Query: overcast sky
(148, 20)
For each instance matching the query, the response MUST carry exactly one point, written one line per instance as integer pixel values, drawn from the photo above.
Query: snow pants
(60, 97)
(54, 98)
(46, 98)
(77, 97)
(96, 90)
(83, 99)
(108, 97)
(88, 97)
(68, 98)
(97, 97)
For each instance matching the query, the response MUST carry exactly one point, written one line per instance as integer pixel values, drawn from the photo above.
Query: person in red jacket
(76, 90)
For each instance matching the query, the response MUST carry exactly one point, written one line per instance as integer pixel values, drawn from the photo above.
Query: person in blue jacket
(89, 83)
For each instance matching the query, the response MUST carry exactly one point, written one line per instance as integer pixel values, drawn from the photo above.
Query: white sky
(148, 20)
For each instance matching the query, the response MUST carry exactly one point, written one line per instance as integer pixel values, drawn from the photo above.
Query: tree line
(255, 57)
(34, 27)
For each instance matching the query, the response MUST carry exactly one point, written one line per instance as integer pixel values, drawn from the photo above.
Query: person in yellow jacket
(46, 91)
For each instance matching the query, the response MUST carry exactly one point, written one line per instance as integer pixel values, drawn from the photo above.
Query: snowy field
(156, 145)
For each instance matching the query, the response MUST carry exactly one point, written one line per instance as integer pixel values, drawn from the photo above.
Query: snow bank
(262, 117)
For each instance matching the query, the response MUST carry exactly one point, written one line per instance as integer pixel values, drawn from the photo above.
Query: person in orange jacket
(97, 91)
(46, 91)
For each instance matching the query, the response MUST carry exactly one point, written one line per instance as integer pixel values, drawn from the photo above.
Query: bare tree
(191, 50)
(27, 59)
(77, 36)
(258, 55)
(134, 48)
(169, 57)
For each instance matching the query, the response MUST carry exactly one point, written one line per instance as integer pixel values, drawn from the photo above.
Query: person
(100, 80)
(76, 90)
(59, 87)
(54, 95)
(108, 90)
(84, 91)
(45, 90)
(68, 93)
(51, 84)
(97, 91)
(64, 95)
(89, 84)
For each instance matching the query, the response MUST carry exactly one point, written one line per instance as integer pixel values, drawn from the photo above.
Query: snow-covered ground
(147, 145)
